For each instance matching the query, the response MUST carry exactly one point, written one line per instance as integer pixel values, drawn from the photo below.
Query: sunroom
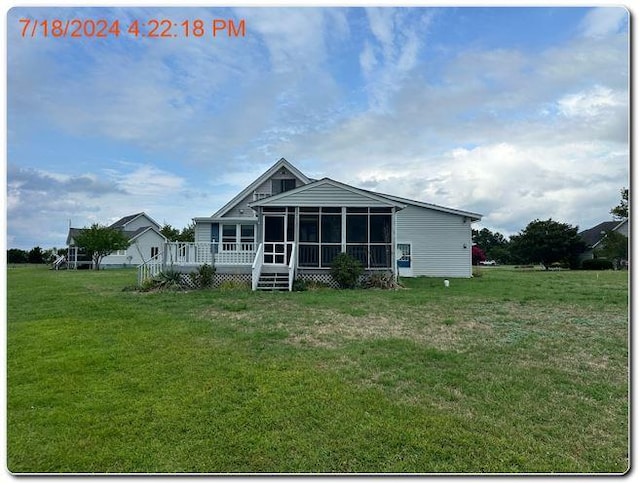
(308, 227)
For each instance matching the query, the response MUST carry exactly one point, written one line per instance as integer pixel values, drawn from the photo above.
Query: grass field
(513, 371)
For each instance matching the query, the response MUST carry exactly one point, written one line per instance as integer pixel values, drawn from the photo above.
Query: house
(146, 244)
(285, 225)
(595, 236)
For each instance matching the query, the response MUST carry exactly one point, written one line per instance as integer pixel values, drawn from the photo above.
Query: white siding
(140, 251)
(327, 195)
(438, 241)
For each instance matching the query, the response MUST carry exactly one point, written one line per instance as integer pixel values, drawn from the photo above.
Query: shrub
(597, 264)
(382, 280)
(299, 285)
(346, 270)
(204, 276)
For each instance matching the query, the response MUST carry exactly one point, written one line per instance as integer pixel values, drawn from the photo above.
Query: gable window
(283, 185)
(155, 251)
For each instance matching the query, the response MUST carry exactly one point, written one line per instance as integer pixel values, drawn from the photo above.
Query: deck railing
(212, 253)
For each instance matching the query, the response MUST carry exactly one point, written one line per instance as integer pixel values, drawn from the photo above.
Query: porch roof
(327, 193)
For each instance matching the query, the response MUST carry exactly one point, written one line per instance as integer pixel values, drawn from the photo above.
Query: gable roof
(474, 216)
(131, 235)
(356, 196)
(282, 163)
(123, 221)
(594, 235)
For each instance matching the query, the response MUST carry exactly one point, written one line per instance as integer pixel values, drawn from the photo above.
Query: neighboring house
(146, 243)
(595, 236)
(285, 225)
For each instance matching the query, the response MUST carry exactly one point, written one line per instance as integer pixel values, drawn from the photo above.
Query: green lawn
(513, 371)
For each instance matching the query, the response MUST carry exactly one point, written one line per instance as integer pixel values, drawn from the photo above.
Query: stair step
(273, 281)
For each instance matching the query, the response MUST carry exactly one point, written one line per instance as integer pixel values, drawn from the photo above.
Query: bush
(204, 276)
(597, 264)
(299, 285)
(382, 280)
(346, 270)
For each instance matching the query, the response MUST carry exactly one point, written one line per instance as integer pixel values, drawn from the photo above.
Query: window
(228, 237)
(282, 185)
(238, 237)
(155, 251)
(247, 237)
(247, 233)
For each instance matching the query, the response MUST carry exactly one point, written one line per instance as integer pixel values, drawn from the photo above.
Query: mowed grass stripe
(510, 372)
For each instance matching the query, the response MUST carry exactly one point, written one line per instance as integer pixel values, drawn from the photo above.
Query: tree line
(545, 242)
(97, 240)
(551, 242)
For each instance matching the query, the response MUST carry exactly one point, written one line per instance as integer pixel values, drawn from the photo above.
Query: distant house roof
(595, 234)
(123, 221)
(131, 235)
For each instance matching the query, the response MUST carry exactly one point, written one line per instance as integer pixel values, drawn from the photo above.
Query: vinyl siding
(138, 222)
(438, 241)
(139, 251)
(327, 195)
(202, 232)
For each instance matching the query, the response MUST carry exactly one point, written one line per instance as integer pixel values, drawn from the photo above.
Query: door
(404, 259)
(275, 247)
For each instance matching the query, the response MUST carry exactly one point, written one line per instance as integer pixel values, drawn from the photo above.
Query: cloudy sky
(514, 113)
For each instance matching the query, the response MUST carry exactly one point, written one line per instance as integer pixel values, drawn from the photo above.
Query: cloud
(603, 21)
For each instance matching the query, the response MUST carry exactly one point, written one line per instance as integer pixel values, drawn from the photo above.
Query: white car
(489, 262)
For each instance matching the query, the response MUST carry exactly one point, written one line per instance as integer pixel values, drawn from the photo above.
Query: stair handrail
(150, 268)
(256, 268)
(292, 265)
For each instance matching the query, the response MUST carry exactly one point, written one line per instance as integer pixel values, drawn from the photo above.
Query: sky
(514, 113)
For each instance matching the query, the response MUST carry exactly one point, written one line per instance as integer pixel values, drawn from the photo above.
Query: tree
(494, 244)
(614, 247)
(621, 211)
(35, 256)
(17, 256)
(170, 232)
(477, 255)
(100, 241)
(548, 242)
(187, 234)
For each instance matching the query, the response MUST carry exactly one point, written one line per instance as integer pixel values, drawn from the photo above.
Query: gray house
(594, 236)
(285, 225)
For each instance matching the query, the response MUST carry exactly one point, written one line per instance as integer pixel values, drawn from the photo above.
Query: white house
(285, 225)
(146, 243)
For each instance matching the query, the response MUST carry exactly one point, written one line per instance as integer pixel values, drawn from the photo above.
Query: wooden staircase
(273, 282)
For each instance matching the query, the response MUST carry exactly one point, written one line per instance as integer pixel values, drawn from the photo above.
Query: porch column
(394, 245)
(343, 236)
